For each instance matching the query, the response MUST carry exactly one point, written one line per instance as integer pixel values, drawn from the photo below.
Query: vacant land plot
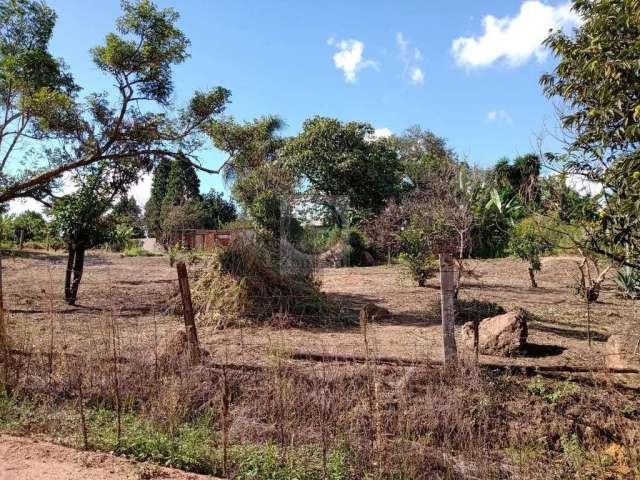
(262, 402)
(138, 293)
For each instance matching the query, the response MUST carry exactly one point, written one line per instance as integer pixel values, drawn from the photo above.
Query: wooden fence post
(4, 337)
(187, 308)
(447, 289)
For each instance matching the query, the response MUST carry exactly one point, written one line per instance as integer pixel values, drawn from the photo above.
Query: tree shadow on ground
(538, 350)
(569, 332)
(350, 305)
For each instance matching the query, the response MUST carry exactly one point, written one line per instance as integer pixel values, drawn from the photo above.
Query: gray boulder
(622, 350)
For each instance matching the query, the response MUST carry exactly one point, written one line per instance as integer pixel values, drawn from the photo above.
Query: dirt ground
(32, 459)
(135, 291)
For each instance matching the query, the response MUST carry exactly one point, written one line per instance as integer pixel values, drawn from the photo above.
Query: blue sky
(468, 70)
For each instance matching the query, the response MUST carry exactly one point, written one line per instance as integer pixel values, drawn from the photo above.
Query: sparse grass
(552, 393)
(136, 251)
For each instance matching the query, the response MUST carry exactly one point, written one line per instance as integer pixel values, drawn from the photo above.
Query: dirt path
(30, 459)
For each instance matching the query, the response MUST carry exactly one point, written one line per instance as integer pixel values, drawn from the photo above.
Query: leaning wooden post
(447, 289)
(187, 308)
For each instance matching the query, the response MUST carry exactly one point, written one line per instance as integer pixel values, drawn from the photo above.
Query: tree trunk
(71, 247)
(448, 310)
(78, 267)
(532, 277)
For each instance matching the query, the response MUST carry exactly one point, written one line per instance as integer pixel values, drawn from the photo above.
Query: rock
(623, 350)
(504, 335)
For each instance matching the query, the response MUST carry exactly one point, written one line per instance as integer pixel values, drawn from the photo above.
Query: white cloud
(379, 134)
(499, 116)
(349, 58)
(583, 186)
(411, 58)
(514, 40)
(417, 76)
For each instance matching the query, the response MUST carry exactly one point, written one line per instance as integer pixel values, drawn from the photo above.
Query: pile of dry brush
(247, 283)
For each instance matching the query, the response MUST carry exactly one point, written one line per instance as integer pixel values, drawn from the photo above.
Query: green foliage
(342, 159)
(158, 192)
(419, 151)
(421, 262)
(31, 224)
(78, 218)
(147, 46)
(127, 213)
(598, 78)
(183, 185)
(119, 237)
(627, 280)
(560, 392)
(138, 58)
(216, 211)
(528, 243)
(250, 145)
(262, 192)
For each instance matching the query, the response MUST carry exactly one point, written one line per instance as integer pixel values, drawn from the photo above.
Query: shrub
(628, 282)
(528, 243)
(422, 264)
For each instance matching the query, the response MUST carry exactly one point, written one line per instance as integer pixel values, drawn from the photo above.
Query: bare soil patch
(32, 459)
(137, 291)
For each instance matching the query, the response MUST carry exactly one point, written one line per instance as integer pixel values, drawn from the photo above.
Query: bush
(528, 244)
(628, 282)
(422, 264)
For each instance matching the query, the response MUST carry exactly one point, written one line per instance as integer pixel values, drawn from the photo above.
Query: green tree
(528, 243)
(29, 225)
(418, 151)
(79, 218)
(597, 78)
(216, 211)
(183, 190)
(36, 91)
(260, 182)
(126, 213)
(140, 122)
(183, 184)
(153, 206)
(344, 159)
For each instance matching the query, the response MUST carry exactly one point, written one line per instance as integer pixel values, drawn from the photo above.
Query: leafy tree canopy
(337, 159)
(598, 82)
(138, 57)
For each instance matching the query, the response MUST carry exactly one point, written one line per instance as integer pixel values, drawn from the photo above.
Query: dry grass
(244, 284)
(320, 417)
